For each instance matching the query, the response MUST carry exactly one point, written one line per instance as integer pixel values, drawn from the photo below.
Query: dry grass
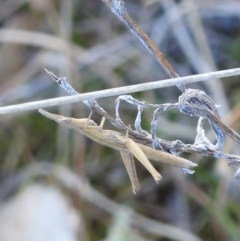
(84, 41)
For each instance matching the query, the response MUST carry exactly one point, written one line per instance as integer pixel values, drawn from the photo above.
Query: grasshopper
(125, 145)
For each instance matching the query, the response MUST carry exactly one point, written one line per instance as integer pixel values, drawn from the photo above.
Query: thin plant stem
(118, 91)
(118, 8)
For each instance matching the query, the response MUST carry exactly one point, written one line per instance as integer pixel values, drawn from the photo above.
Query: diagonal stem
(118, 8)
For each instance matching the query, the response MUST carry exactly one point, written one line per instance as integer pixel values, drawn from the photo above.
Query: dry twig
(192, 102)
(118, 91)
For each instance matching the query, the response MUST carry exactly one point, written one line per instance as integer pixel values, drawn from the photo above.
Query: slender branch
(118, 91)
(118, 8)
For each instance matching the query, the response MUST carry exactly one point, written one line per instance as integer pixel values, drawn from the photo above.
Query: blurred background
(58, 185)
